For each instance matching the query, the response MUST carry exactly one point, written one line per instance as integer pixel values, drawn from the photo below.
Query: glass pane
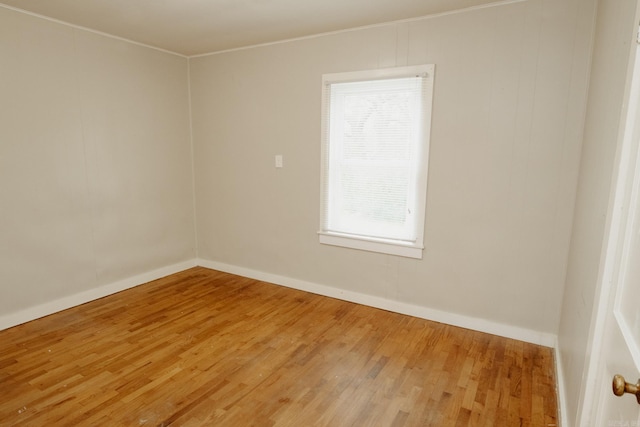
(377, 126)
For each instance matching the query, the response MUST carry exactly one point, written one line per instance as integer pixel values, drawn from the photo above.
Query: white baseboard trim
(35, 312)
(467, 322)
(563, 420)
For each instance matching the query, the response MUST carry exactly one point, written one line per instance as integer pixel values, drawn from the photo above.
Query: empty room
(329, 213)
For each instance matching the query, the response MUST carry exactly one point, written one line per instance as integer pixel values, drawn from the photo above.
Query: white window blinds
(375, 146)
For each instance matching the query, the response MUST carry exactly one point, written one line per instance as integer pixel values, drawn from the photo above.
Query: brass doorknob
(620, 387)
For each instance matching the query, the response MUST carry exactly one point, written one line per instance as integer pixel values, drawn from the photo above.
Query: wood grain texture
(203, 347)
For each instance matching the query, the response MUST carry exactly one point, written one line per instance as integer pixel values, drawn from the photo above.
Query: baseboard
(563, 420)
(35, 312)
(468, 322)
(477, 324)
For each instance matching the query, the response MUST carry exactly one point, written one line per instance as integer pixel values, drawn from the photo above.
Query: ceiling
(192, 27)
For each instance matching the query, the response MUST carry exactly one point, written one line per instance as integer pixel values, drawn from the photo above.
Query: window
(375, 146)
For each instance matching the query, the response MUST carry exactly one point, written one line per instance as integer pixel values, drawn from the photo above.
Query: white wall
(95, 161)
(508, 111)
(615, 28)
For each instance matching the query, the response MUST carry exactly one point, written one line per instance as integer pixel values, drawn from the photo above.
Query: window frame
(413, 248)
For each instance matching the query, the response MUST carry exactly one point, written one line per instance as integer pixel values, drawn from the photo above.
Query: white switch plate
(279, 163)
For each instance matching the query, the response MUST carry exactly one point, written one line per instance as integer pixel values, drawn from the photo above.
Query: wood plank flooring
(205, 348)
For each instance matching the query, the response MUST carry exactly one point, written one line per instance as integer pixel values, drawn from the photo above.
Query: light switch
(279, 163)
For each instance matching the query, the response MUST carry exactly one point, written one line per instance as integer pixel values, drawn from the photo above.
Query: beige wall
(615, 28)
(507, 120)
(95, 161)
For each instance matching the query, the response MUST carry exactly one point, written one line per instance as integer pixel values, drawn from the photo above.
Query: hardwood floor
(203, 347)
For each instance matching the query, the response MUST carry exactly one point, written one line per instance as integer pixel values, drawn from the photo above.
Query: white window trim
(390, 247)
(412, 249)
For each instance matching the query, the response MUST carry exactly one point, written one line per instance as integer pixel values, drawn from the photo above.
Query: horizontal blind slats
(371, 141)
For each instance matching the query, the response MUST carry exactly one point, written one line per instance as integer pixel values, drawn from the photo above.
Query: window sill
(390, 247)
